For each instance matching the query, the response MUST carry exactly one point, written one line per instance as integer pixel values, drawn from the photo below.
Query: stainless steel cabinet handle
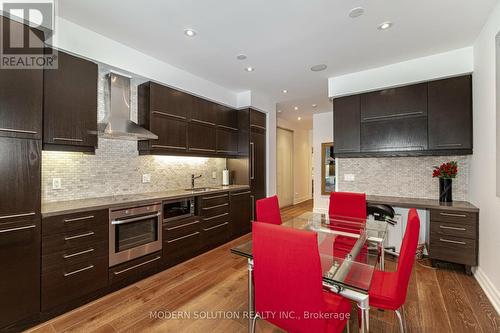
(344, 149)
(116, 222)
(17, 131)
(454, 215)
(202, 122)
(253, 207)
(215, 217)
(87, 234)
(202, 149)
(183, 237)
(227, 151)
(451, 228)
(451, 241)
(257, 126)
(215, 197)
(168, 114)
(79, 270)
(183, 225)
(450, 145)
(79, 218)
(240, 193)
(18, 229)
(227, 127)
(16, 215)
(136, 266)
(66, 256)
(168, 147)
(252, 160)
(216, 226)
(68, 139)
(218, 206)
(406, 114)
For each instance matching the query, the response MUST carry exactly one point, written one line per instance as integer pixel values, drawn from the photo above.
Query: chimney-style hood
(117, 124)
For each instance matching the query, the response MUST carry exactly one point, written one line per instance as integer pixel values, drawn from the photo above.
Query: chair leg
(254, 322)
(403, 315)
(398, 314)
(348, 329)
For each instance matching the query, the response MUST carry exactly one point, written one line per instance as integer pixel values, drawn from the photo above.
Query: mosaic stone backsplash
(401, 176)
(116, 168)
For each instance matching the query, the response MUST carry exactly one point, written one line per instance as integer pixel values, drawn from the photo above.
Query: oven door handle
(116, 222)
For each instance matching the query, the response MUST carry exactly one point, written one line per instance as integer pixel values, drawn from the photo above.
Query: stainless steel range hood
(117, 124)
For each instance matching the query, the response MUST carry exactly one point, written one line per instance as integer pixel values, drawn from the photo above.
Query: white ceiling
(282, 38)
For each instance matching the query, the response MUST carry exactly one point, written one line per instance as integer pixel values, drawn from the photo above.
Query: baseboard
(300, 200)
(320, 210)
(489, 289)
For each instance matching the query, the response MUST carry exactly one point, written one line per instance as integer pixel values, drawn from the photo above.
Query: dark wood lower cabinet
(240, 213)
(214, 213)
(134, 270)
(181, 240)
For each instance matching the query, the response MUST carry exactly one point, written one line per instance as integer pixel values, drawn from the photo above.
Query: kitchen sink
(201, 189)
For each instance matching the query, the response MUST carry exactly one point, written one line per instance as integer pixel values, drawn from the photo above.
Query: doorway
(284, 166)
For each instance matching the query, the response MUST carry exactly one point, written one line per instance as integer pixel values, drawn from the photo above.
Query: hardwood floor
(439, 300)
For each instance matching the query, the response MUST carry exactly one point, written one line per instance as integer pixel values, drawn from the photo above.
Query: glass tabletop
(344, 245)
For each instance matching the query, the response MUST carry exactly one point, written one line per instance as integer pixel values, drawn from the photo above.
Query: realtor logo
(26, 29)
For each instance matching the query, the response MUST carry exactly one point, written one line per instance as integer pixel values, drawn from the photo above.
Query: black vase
(445, 193)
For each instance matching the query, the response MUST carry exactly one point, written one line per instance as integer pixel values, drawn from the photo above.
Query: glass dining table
(350, 250)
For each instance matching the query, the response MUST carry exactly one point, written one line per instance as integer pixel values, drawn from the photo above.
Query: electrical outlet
(214, 175)
(146, 178)
(56, 183)
(349, 177)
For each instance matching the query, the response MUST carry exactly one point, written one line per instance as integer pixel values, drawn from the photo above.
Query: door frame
(293, 181)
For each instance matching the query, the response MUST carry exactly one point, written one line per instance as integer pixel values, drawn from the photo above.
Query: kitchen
(125, 175)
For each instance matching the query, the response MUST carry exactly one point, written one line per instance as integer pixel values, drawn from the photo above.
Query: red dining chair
(288, 282)
(388, 289)
(268, 210)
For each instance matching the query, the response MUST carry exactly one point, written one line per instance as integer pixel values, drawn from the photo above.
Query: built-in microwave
(178, 208)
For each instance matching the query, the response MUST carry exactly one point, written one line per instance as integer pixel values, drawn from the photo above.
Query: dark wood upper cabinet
(21, 96)
(227, 141)
(170, 101)
(202, 138)
(346, 113)
(450, 113)
(70, 105)
(203, 111)
(227, 117)
(172, 132)
(257, 119)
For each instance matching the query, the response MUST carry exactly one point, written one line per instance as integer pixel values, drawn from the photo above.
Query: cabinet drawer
(136, 269)
(453, 216)
(181, 248)
(74, 223)
(68, 258)
(212, 221)
(214, 200)
(70, 283)
(453, 249)
(181, 228)
(464, 230)
(216, 234)
(74, 241)
(214, 210)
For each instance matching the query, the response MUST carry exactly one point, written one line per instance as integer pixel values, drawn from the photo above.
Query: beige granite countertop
(83, 205)
(421, 203)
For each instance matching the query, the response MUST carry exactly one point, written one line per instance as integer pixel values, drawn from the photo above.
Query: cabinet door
(227, 141)
(227, 117)
(70, 103)
(346, 115)
(169, 101)
(258, 164)
(240, 213)
(450, 113)
(20, 175)
(20, 258)
(257, 119)
(171, 131)
(204, 111)
(202, 138)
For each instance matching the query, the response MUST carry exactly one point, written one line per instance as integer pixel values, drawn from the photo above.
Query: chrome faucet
(193, 177)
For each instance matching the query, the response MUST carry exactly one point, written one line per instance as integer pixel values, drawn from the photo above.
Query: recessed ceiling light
(299, 118)
(295, 108)
(279, 111)
(385, 25)
(285, 91)
(356, 12)
(241, 57)
(189, 32)
(249, 69)
(314, 105)
(319, 68)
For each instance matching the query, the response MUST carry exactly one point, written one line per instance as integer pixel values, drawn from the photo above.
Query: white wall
(301, 162)
(322, 132)
(483, 175)
(441, 65)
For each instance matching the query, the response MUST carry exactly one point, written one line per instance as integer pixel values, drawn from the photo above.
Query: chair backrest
(407, 254)
(347, 205)
(287, 277)
(268, 210)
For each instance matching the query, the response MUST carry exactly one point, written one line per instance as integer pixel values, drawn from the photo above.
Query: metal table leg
(251, 308)
(382, 257)
(360, 298)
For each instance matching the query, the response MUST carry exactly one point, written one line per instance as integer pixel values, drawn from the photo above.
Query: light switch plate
(146, 178)
(214, 175)
(349, 177)
(56, 183)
